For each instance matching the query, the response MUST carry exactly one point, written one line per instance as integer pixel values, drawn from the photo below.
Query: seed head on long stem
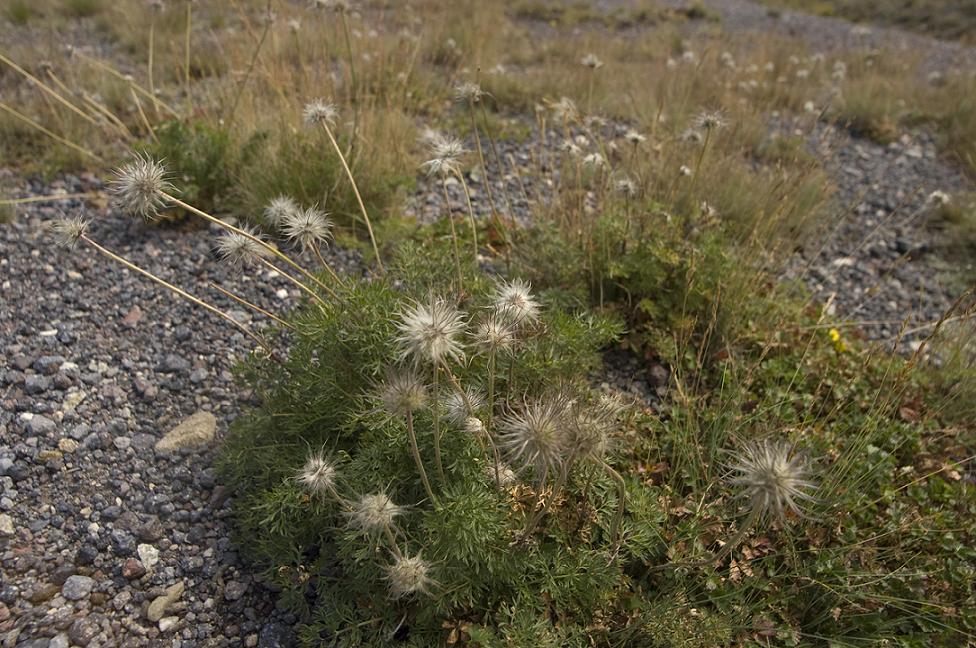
(239, 249)
(773, 477)
(402, 393)
(308, 228)
(408, 575)
(139, 185)
(68, 229)
(535, 435)
(513, 301)
(373, 514)
(279, 209)
(431, 332)
(317, 474)
(320, 111)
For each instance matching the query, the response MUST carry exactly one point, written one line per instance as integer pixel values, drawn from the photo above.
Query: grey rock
(77, 587)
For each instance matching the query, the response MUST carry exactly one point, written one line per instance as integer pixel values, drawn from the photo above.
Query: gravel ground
(98, 525)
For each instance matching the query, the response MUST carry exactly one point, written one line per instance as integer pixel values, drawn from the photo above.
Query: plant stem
(436, 412)
(415, 449)
(255, 307)
(622, 496)
(353, 85)
(179, 291)
(308, 291)
(186, 55)
(355, 189)
(152, 57)
(250, 67)
(51, 134)
(484, 171)
(474, 226)
(454, 237)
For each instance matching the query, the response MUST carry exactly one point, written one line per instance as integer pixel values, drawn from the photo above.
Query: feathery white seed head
(514, 302)
(565, 110)
(626, 187)
(408, 575)
(634, 137)
(403, 392)
(591, 61)
(239, 249)
(709, 120)
(320, 111)
(308, 228)
(68, 229)
(431, 331)
(372, 514)
(535, 435)
(279, 209)
(474, 426)
(317, 475)
(445, 154)
(773, 476)
(460, 407)
(494, 334)
(468, 92)
(138, 186)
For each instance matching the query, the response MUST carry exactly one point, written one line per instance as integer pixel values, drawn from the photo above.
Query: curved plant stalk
(454, 237)
(435, 410)
(474, 225)
(152, 56)
(51, 134)
(250, 67)
(179, 291)
(252, 306)
(159, 103)
(355, 189)
(415, 449)
(186, 55)
(496, 455)
(47, 89)
(484, 172)
(621, 495)
(353, 85)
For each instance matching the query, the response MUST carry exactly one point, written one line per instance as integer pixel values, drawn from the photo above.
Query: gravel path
(98, 524)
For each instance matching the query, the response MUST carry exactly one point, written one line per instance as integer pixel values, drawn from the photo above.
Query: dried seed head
(692, 135)
(535, 436)
(373, 514)
(138, 186)
(774, 478)
(408, 575)
(320, 111)
(445, 154)
(626, 187)
(593, 426)
(431, 331)
(469, 92)
(239, 249)
(494, 334)
(709, 120)
(474, 426)
(317, 475)
(514, 302)
(460, 407)
(279, 209)
(68, 229)
(565, 110)
(594, 161)
(308, 228)
(634, 137)
(294, 25)
(403, 393)
(506, 476)
(591, 61)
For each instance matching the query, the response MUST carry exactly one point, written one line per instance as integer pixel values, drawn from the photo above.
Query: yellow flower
(835, 337)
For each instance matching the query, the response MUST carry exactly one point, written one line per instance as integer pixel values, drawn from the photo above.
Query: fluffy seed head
(320, 111)
(474, 426)
(709, 120)
(68, 229)
(279, 209)
(591, 61)
(774, 478)
(634, 137)
(460, 407)
(506, 476)
(592, 426)
(594, 161)
(514, 302)
(408, 575)
(317, 475)
(431, 331)
(308, 228)
(403, 393)
(535, 436)
(626, 187)
(565, 110)
(239, 249)
(373, 514)
(445, 154)
(468, 92)
(138, 186)
(494, 334)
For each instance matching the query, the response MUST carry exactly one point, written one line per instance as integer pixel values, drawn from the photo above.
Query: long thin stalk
(47, 89)
(159, 103)
(186, 55)
(252, 306)
(454, 237)
(621, 495)
(250, 68)
(179, 291)
(474, 225)
(355, 189)
(51, 134)
(415, 449)
(353, 85)
(152, 57)
(484, 168)
(436, 415)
